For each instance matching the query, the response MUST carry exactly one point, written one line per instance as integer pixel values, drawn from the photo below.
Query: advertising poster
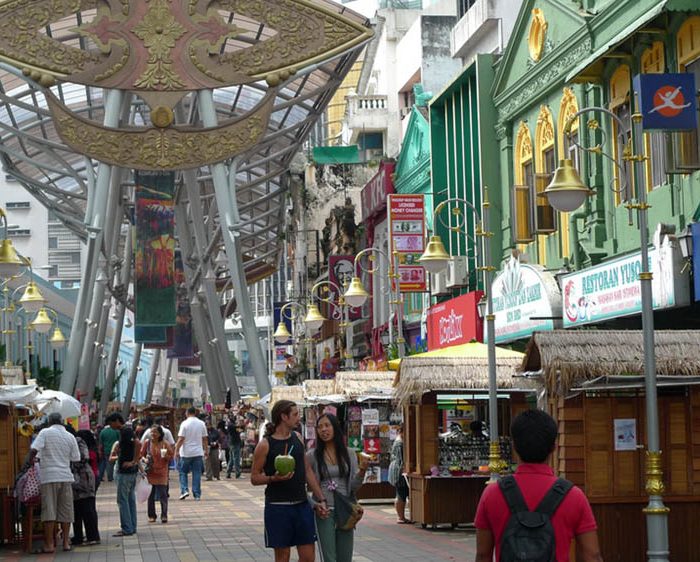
(370, 416)
(340, 272)
(455, 321)
(625, 434)
(407, 237)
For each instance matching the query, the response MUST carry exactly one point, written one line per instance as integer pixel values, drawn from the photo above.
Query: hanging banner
(667, 101)
(155, 249)
(148, 335)
(182, 331)
(407, 238)
(340, 272)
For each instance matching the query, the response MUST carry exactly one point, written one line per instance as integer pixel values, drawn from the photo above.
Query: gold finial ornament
(655, 483)
(162, 117)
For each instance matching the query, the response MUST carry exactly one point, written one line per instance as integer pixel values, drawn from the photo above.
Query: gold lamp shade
(42, 323)
(281, 334)
(314, 319)
(435, 257)
(32, 300)
(57, 339)
(356, 295)
(566, 192)
(10, 262)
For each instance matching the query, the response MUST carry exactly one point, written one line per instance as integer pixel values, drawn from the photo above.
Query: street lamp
(42, 322)
(10, 261)
(356, 295)
(566, 192)
(435, 259)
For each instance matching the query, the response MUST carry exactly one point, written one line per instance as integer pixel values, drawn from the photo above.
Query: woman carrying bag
(337, 470)
(126, 453)
(158, 453)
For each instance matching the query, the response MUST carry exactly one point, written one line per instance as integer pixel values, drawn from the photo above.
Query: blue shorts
(289, 525)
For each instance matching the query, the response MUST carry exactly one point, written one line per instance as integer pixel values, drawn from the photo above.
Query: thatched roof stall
(360, 384)
(577, 359)
(294, 393)
(322, 391)
(463, 367)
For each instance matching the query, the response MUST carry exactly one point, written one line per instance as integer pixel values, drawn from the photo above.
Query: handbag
(222, 455)
(29, 485)
(347, 511)
(143, 489)
(147, 461)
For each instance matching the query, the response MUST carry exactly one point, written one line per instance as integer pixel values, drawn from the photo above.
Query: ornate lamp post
(356, 294)
(10, 262)
(435, 259)
(342, 310)
(295, 311)
(567, 192)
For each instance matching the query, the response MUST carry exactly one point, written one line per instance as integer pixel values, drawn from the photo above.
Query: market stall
(371, 424)
(594, 383)
(444, 397)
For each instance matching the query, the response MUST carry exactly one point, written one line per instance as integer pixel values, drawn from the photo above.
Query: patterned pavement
(227, 525)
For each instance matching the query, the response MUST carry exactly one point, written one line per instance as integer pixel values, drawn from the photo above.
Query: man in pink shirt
(534, 434)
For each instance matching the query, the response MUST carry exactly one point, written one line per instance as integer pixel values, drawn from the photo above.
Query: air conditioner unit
(457, 272)
(438, 285)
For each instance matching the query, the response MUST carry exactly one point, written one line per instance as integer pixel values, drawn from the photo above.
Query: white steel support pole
(99, 350)
(152, 375)
(91, 330)
(132, 380)
(96, 222)
(166, 383)
(211, 363)
(224, 189)
(124, 277)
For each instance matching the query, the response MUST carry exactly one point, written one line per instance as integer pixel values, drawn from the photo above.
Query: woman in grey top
(336, 469)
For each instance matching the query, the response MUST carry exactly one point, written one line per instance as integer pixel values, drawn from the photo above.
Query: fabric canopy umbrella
(18, 393)
(55, 401)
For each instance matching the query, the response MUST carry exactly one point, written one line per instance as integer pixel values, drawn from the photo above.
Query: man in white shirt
(167, 434)
(191, 449)
(56, 449)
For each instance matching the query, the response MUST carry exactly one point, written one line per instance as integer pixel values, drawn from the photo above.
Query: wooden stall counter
(444, 500)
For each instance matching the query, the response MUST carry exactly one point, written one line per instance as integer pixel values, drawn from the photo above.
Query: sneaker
(197, 499)
(184, 495)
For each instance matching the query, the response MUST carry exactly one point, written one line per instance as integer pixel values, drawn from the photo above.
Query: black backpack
(529, 535)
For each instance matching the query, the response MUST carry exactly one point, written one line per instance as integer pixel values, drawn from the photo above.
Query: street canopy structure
(218, 96)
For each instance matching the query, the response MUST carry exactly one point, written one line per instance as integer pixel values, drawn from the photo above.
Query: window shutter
(521, 214)
(545, 215)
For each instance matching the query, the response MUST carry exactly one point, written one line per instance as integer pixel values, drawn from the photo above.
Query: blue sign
(695, 231)
(668, 101)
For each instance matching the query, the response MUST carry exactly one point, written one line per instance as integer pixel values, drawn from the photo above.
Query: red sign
(374, 193)
(455, 321)
(407, 234)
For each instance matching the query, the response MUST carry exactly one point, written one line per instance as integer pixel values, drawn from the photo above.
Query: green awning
(336, 155)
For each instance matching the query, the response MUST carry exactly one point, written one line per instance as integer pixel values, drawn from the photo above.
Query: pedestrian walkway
(227, 525)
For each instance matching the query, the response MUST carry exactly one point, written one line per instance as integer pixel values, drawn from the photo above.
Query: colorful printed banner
(182, 331)
(155, 249)
(407, 235)
(455, 321)
(151, 334)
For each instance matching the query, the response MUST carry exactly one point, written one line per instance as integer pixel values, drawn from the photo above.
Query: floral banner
(155, 249)
(182, 345)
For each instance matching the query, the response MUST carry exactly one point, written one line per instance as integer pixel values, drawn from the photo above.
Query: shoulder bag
(347, 511)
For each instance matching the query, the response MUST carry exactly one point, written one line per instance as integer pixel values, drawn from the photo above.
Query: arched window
(688, 49)
(620, 86)
(567, 149)
(653, 62)
(523, 188)
(546, 163)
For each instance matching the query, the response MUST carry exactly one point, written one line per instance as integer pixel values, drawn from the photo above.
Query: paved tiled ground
(227, 525)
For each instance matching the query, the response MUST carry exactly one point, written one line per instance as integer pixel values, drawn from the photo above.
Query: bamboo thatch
(419, 375)
(283, 392)
(568, 358)
(319, 387)
(354, 384)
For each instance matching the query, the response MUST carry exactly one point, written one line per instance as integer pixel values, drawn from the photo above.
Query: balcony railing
(361, 104)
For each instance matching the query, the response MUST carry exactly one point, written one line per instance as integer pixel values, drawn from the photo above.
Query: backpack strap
(550, 502)
(512, 494)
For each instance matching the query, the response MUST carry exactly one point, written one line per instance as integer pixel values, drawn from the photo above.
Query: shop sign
(612, 289)
(407, 239)
(667, 101)
(454, 322)
(374, 193)
(526, 299)
(340, 272)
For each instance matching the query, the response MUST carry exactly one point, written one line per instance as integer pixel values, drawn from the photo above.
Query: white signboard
(525, 299)
(612, 289)
(625, 434)
(370, 416)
